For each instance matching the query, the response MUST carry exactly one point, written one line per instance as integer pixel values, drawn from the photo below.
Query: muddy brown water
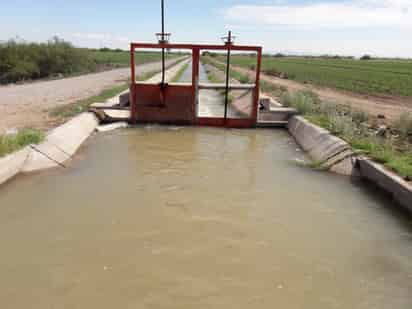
(165, 217)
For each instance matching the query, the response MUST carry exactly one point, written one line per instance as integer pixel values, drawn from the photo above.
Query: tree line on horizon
(20, 61)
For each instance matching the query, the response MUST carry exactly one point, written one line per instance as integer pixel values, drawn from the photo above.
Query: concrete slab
(215, 86)
(334, 153)
(272, 124)
(276, 114)
(116, 114)
(268, 102)
(113, 126)
(61, 143)
(387, 180)
(102, 105)
(11, 165)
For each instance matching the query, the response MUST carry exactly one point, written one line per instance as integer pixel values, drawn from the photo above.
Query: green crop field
(122, 58)
(378, 77)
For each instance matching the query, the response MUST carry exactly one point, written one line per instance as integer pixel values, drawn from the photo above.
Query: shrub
(21, 61)
(404, 125)
(244, 79)
(359, 117)
(11, 143)
(366, 57)
(305, 102)
(286, 99)
(283, 88)
(273, 72)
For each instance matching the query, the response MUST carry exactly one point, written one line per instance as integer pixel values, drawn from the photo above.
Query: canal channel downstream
(170, 217)
(211, 102)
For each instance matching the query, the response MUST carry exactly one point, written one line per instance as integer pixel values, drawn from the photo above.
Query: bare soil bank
(27, 105)
(391, 107)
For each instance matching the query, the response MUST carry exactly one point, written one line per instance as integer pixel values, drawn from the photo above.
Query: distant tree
(20, 60)
(278, 55)
(366, 57)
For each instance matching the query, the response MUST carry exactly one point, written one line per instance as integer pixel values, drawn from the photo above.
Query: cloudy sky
(352, 27)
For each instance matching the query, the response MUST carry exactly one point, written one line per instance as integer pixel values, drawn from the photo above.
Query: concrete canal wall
(59, 146)
(329, 151)
(61, 143)
(12, 164)
(336, 155)
(398, 188)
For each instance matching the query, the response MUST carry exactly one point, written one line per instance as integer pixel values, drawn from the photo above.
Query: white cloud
(105, 37)
(348, 14)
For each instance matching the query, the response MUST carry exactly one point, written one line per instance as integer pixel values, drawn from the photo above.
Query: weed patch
(180, 73)
(70, 110)
(12, 143)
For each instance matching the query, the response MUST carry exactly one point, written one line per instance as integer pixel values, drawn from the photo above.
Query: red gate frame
(195, 48)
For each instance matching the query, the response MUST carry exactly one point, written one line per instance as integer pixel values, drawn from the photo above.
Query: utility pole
(163, 40)
(228, 41)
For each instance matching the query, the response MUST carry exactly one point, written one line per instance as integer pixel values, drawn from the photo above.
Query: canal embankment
(61, 143)
(29, 105)
(142, 213)
(324, 128)
(327, 150)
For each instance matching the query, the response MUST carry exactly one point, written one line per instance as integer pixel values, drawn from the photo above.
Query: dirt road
(391, 107)
(27, 105)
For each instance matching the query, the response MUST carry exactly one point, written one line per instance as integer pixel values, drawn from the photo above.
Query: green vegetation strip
(65, 112)
(12, 143)
(68, 111)
(22, 61)
(180, 73)
(213, 78)
(392, 147)
(376, 76)
(242, 78)
(119, 58)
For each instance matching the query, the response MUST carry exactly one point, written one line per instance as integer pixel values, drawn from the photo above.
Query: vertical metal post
(229, 43)
(195, 81)
(133, 107)
(257, 86)
(163, 41)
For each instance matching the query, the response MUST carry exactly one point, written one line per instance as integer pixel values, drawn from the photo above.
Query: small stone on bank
(113, 126)
(12, 132)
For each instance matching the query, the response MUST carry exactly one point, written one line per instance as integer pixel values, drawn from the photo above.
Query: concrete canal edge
(329, 151)
(12, 164)
(58, 147)
(336, 155)
(61, 143)
(399, 189)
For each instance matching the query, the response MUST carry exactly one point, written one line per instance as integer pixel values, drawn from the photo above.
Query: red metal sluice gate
(178, 104)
